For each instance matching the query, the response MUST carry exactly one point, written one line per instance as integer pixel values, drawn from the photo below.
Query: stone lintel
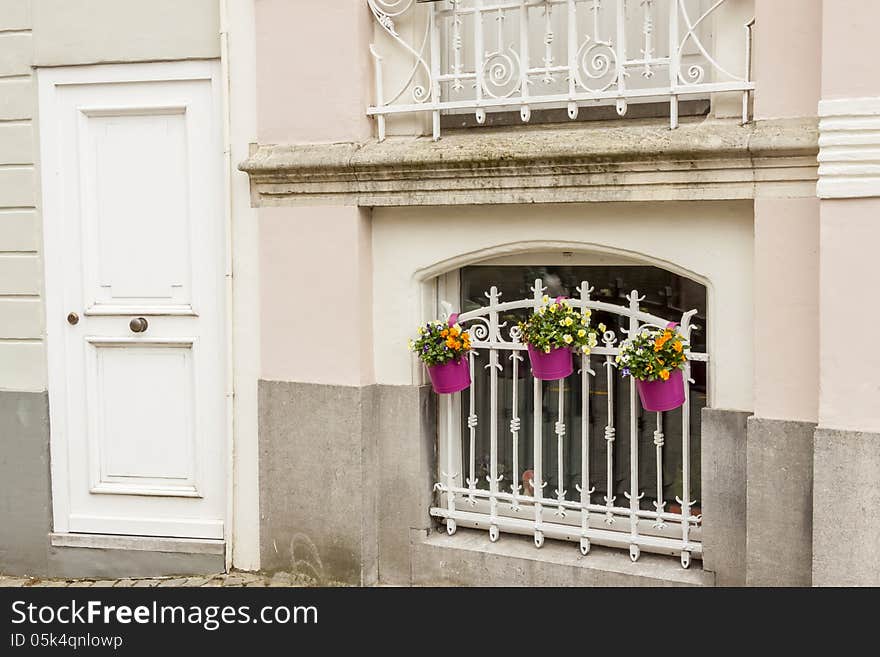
(603, 161)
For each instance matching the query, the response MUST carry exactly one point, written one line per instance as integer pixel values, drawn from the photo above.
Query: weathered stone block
(780, 502)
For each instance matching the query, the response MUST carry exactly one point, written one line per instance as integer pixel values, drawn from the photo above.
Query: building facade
(221, 222)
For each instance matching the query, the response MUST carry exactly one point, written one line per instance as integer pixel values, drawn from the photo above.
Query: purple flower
(626, 371)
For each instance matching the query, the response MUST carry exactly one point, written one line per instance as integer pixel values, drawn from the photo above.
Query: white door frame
(48, 79)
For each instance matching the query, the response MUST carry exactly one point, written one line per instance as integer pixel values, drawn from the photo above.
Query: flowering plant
(653, 354)
(558, 324)
(440, 343)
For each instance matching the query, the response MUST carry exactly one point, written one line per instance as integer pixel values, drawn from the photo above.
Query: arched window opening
(659, 466)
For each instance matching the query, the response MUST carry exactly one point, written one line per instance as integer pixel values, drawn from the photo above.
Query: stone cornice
(615, 161)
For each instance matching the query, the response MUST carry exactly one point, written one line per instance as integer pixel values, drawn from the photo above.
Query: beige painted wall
(316, 295)
(709, 241)
(94, 31)
(787, 57)
(314, 77)
(52, 33)
(22, 353)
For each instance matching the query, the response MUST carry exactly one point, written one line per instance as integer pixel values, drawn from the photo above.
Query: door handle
(138, 325)
(72, 318)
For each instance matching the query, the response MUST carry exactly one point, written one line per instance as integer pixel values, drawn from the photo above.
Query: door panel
(132, 160)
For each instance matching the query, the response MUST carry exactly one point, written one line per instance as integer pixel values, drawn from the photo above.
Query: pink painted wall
(314, 77)
(850, 235)
(787, 57)
(850, 49)
(316, 295)
(850, 357)
(787, 308)
(787, 70)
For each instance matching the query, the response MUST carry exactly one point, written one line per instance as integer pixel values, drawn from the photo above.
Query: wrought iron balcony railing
(481, 56)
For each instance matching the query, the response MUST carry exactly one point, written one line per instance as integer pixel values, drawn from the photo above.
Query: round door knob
(72, 318)
(138, 325)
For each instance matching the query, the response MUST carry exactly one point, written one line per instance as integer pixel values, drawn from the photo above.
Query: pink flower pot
(553, 366)
(451, 376)
(662, 395)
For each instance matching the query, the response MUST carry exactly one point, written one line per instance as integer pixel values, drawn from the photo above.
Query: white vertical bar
(538, 454)
(572, 58)
(514, 430)
(584, 488)
(472, 430)
(748, 73)
(435, 69)
(620, 52)
(674, 63)
(548, 42)
(380, 92)
(479, 55)
(450, 472)
(633, 496)
(659, 503)
(524, 112)
(456, 44)
(560, 439)
(493, 414)
(685, 500)
(609, 443)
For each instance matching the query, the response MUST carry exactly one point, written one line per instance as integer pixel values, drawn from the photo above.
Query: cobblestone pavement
(233, 579)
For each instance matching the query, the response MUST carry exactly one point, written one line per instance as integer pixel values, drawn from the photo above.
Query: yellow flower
(567, 338)
(581, 333)
(541, 310)
(569, 321)
(420, 331)
(547, 349)
(553, 308)
(664, 374)
(588, 313)
(545, 299)
(601, 327)
(585, 349)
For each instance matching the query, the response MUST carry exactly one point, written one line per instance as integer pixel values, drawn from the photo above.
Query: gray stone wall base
(723, 454)
(97, 563)
(407, 436)
(25, 490)
(469, 558)
(319, 480)
(780, 502)
(846, 508)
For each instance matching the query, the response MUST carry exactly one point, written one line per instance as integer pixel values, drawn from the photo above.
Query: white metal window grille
(507, 506)
(485, 55)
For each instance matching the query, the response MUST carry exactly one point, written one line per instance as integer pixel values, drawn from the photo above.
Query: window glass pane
(667, 295)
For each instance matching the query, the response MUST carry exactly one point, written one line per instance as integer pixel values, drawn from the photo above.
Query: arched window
(663, 294)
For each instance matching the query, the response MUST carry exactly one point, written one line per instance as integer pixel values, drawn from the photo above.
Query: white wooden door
(134, 236)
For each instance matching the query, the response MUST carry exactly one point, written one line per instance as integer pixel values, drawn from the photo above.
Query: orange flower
(664, 374)
(444, 333)
(677, 346)
(454, 332)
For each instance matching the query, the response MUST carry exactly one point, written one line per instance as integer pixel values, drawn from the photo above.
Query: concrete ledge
(138, 543)
(469, 558)
(95, 562)
(604, 161)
